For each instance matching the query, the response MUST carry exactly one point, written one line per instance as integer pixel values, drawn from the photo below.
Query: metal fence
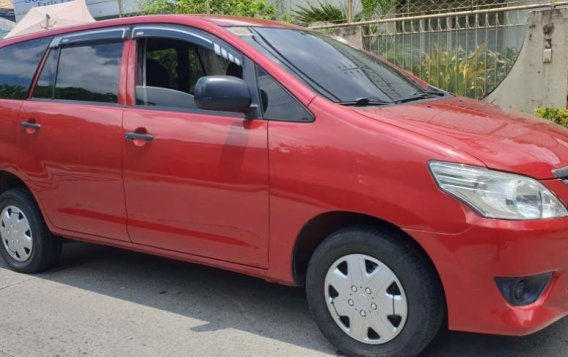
(467, 47)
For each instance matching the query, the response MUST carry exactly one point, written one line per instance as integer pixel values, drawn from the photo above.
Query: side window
(18, 65)
(46, 80)
(277, 103)
(89, 73)
(168, 70)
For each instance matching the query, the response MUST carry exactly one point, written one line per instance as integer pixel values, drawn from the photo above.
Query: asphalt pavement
(103, 301)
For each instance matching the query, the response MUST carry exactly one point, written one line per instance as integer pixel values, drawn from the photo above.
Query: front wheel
(373, 293)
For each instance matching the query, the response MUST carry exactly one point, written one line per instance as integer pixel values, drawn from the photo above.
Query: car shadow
(228, 300)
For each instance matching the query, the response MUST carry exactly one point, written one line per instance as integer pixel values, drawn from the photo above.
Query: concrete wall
(539, 78)
(353, 35)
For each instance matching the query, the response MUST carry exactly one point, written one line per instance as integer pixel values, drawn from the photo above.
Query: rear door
(73, 125)
(18, 65)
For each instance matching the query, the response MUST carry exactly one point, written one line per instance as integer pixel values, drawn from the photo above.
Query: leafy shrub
(556, 115)
(373, 9)
(460, 71)
(471, 73)
(332, 13)
(320, 13)
(250, 8)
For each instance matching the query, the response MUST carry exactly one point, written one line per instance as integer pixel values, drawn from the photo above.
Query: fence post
(349, 11)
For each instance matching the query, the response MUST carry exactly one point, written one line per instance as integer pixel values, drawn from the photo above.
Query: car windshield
(339, 72)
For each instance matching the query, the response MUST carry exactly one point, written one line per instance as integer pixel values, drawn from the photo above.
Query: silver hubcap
(366, 299)
(16, 233)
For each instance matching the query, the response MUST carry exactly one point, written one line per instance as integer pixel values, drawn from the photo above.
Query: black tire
(424, 294)
(46, 248)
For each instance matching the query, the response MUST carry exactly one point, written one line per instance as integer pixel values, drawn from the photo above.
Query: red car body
(257, 196)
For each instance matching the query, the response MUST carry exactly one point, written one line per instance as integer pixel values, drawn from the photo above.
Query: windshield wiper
(413, 98)
(436, 91)
(366, 101)
(430, 93)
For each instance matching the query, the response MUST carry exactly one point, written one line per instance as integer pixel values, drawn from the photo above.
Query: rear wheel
(26, 244)
(373, 293)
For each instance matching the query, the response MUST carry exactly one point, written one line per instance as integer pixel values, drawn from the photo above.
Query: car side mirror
(224, 94)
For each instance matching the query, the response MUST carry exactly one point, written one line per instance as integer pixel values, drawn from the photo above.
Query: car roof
(199, 21)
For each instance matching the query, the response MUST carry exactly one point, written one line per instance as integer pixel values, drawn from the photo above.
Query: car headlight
(496, 194)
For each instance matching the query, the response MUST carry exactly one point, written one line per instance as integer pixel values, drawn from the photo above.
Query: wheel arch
(315, 231)
(9, 180)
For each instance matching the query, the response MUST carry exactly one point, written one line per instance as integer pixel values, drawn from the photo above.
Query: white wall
(534, 82)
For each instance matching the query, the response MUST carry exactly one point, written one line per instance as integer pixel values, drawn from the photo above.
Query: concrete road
(107, 302)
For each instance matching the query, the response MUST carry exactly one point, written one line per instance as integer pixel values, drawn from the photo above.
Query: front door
(195, 181)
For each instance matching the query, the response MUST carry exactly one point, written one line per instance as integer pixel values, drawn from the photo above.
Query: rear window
(89, 73)
(18, 64)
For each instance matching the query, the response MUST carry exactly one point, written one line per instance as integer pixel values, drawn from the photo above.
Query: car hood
(507, 141)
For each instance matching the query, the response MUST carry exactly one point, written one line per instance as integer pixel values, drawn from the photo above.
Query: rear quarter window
(18, 65)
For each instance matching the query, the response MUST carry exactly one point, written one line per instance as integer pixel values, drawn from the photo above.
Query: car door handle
(138, 137)
(30, 126)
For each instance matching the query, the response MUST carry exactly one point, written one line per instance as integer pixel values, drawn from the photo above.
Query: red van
(288, 155)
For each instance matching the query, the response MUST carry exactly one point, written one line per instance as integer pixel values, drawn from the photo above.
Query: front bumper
(469, 262)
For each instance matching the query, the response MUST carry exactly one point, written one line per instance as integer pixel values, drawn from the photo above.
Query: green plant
(457, 70)
(156, 7)
(250, 8)
(556, 115)
(472, 73)
(375, 9)
(327, 12)
(320, 13)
